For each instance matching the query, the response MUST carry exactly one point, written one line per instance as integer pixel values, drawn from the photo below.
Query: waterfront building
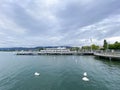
(58, 50)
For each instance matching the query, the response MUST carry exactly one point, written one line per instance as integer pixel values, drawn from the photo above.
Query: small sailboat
(36, 74)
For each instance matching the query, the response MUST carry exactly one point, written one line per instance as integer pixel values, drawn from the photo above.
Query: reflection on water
(57, 73)
(76, 61)
(111, 63)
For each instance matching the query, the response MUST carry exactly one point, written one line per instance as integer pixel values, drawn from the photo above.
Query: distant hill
(27, 49)
(16, 49)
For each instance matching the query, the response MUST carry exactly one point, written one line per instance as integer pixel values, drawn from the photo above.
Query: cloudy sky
(32, 23)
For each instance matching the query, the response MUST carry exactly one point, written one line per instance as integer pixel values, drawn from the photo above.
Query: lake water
(57, 73)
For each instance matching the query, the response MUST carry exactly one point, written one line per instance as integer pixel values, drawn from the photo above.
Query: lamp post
(107, 47)
(91, 44)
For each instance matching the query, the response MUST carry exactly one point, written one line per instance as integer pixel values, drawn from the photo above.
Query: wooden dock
(109, 56)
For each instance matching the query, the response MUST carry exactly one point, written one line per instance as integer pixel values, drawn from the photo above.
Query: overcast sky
(30, 23)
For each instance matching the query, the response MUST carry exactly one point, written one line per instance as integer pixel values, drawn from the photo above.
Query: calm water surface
(57, 73)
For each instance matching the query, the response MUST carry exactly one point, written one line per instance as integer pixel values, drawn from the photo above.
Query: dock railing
(109, 53)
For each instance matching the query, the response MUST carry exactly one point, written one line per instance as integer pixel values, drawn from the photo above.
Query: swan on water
(36, 74)
(85, 79)
(85, 73)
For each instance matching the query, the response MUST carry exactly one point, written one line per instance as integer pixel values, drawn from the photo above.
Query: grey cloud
(74, 13)
(71, 17)
(19, 15)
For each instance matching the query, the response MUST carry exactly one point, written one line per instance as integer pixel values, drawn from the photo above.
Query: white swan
(85, 73)
(85, 79)
(36, 74)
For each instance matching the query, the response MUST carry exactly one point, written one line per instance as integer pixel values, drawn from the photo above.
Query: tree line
(115, 46)
(106, 45)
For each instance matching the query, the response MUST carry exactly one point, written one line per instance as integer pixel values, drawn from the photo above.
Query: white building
(55, 50)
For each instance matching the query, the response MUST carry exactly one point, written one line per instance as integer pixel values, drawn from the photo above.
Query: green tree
(105, 45)
(111, 46)
(75, 49)
(94, 47)
(86, 47)
(115, 46)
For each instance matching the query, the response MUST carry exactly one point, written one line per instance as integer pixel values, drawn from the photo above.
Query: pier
(54, 53)
(109, 56)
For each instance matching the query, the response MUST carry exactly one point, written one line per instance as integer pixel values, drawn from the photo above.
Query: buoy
(85, 79)
(36, 74)
(85, 73)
